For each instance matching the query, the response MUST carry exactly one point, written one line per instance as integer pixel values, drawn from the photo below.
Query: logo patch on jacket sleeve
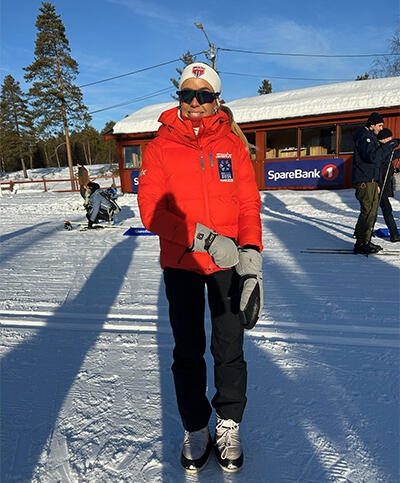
(225, 169)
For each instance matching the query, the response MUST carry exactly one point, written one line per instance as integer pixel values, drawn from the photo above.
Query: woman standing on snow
(197, 192)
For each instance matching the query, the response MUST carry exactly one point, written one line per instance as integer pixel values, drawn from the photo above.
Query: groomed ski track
(283, 331)
(87, 391)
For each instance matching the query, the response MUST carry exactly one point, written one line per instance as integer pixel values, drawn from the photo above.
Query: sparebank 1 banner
(304, 172)
(135, 180)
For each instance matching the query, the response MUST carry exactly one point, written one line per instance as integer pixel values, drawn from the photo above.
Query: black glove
(249, 269)
(393, 143)
(223, 250)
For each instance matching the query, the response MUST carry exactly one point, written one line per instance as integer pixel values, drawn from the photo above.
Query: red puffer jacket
(187, 179)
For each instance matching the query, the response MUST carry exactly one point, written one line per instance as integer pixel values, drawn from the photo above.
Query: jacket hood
(93, 186)
(211, 127)
(361, 132)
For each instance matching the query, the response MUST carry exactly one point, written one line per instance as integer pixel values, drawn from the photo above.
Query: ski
(82, 225)
(129, 230)
(328, 251)
(347, 250)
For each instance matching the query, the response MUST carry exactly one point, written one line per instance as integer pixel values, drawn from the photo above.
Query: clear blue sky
(113, 37)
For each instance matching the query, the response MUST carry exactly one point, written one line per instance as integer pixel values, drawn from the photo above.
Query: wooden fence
(11, 184)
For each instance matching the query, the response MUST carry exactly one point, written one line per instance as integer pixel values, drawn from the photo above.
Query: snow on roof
(143, 120)
(310, 101)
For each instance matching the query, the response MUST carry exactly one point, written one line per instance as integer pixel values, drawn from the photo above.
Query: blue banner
(138, 231)
(135, 180)
(304, 172)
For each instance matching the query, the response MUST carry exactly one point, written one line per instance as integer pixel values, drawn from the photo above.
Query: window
(251, 138)
(318, 140)
(132, 157)
(281, 143)
(346, 137)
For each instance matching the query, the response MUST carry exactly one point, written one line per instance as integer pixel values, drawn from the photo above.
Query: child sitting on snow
(100, 205)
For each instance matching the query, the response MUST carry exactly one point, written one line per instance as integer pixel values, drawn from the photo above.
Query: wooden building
(301, 139)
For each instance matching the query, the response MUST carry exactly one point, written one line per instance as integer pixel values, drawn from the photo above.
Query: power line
(285, 78)
(234, 50)
(156, 93)
(301, 55)
(137, 99)
(161, 91)
(137, 71)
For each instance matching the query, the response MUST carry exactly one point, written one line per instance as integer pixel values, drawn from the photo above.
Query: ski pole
(386, 176)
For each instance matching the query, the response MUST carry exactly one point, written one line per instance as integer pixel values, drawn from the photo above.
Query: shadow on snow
(46, 365)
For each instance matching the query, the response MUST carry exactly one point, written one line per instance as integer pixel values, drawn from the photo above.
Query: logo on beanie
(198, 70)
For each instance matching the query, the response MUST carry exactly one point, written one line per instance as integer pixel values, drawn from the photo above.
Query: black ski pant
(387, 212)
(368, 197)
(186, 296)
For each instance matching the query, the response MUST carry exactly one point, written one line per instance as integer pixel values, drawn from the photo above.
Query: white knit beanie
(201, 71)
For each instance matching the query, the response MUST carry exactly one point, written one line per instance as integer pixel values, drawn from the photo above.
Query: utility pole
(199, 25)
(64, 116)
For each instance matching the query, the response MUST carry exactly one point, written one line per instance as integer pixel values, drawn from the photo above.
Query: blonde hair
(234, 126)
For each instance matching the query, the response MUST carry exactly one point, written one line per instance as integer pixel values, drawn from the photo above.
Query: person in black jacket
(386, 185)
(369, 154)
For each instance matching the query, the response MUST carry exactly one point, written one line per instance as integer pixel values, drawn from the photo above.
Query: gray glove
(223, 250)
(249, 269)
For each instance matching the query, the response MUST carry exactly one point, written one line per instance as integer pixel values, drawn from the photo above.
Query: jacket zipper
(206, 194)
(205, 191)
(187, 249)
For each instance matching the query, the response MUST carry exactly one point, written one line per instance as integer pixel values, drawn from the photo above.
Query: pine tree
(15, 125)
(108, 127)
(187, 59)
(109, 147)
(88, 140)
(57, 101)
(265, 87)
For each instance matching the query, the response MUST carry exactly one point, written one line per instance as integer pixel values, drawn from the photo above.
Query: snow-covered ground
(87, 392)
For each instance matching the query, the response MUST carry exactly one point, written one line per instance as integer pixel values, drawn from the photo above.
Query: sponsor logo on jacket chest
(225, 167)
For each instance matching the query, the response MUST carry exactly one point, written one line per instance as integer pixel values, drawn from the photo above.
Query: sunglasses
(203, 97)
